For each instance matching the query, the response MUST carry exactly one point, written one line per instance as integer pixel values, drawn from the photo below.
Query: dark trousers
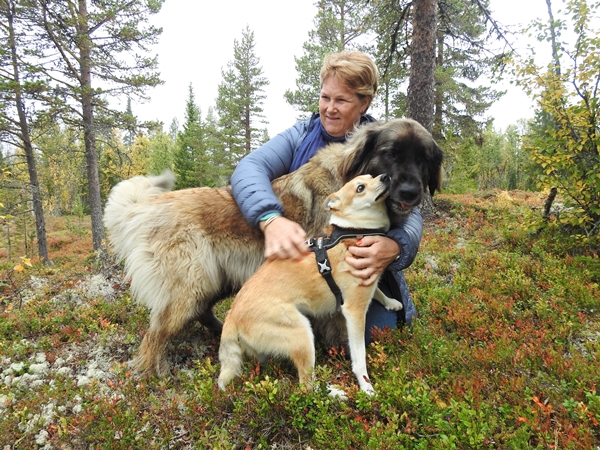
(377, 315)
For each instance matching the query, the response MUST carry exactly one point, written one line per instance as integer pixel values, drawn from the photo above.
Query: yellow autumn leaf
(19, 268)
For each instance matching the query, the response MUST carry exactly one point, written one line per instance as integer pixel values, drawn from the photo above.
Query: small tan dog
(269, 315)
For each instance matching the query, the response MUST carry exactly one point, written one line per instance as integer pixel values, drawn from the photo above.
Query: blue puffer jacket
(251, 186)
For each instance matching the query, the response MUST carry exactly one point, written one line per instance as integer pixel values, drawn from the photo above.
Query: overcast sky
(197, 42)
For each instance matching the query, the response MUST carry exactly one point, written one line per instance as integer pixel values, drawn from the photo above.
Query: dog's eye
(360, 188)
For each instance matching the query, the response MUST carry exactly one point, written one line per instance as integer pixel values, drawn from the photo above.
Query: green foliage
(240, 99)
(65, 47)
(487, 161)
(383, 29)
(16, 221)
(61, 168)
(161, 152)
(504, 354)
(199, 156)
(77, 229)
(338, 23)
(566, 144)
(463, 60)
(189, 146)
(119, 161)
(113, 29)
(216, 167)
(392, 54)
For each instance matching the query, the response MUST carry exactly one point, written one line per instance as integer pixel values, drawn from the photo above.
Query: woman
(349, 82)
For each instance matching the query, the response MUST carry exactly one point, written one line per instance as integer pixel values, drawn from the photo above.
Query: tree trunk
(421, 85)
(548, 203)
(386, 101)
(36, 198)
(557, 71)
(89, 132)
(248, 129)
(438, 125)
(422, 65)
(555, 46)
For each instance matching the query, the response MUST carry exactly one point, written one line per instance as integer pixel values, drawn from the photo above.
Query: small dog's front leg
(389, 303)
(355, 323)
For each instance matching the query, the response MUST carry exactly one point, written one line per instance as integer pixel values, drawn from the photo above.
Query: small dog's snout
(384, 178)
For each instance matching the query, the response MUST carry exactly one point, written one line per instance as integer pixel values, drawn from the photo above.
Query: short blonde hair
(356, 70)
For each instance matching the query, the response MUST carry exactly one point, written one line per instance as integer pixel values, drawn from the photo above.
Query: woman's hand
(370, 257)
(284, 239)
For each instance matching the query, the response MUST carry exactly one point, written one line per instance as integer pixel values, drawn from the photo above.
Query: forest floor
(505, 352)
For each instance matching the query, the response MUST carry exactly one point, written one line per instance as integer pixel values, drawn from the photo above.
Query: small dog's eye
(360, 188)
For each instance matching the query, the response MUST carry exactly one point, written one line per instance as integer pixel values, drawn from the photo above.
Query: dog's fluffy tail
(123, 197)
(135, 190)
(230, 355)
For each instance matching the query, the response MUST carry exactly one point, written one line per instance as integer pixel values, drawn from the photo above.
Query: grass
(505, 354)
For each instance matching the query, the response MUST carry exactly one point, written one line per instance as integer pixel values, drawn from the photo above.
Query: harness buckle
(320, 242)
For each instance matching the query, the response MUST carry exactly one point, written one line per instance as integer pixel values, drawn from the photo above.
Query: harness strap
(324, 267)
(320, 245)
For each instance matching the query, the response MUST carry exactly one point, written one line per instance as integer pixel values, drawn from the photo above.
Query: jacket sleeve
(408, 236)
(251, 179)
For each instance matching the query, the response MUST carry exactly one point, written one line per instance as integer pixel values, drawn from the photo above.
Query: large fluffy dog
(268, 316)
(185, 250)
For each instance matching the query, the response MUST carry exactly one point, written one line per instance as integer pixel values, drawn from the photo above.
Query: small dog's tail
(230, 355)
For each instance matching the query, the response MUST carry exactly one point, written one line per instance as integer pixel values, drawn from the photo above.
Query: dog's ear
(361, 148)
(435, 168)
(332, 203)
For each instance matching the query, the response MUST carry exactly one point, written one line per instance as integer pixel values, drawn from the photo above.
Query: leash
(319, 246)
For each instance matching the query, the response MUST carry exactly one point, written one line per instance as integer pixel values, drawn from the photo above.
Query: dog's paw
(336, 392)
(365, 385)
(369, 390)
(393, 305)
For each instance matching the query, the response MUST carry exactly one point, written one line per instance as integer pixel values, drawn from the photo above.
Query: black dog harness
(319, 246)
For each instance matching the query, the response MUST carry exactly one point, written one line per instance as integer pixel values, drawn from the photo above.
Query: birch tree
(567, 146)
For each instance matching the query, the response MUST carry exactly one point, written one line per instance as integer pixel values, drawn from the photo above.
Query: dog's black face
(408, 154)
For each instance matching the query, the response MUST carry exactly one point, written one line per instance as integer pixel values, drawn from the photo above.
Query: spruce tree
(161, 152)
(391, 50)
(188, 147)
(338, 25)
(462, 60)
(217, 168)
(239, 103)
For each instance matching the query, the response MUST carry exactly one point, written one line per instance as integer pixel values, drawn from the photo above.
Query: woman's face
(339, 107)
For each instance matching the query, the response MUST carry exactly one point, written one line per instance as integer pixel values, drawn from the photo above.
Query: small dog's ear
(332, 202)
